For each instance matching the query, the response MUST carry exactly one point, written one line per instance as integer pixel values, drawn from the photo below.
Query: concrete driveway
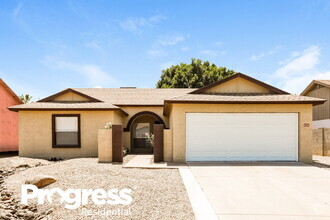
(265, 190)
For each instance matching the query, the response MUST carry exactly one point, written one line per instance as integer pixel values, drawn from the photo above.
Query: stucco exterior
(35, 126)
(70, 96)
(35, 133)
(105, 145)
(132, 110)
(178, 115)
(238, 85)
(8, 119)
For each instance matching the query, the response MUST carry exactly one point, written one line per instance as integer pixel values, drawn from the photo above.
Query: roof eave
(310, 86)
(316, 102)
(49, 98)
(11, 91)
(306, 90)
(67, 109)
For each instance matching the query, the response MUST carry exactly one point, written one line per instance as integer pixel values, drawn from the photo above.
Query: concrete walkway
(146, 161)
(265, 190)
(198, 200)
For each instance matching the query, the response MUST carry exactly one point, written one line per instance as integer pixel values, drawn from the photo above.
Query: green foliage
(25, 98)
(194, 75)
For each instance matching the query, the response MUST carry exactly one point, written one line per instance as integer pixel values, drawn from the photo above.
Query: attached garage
(240, 118)
(242, 136)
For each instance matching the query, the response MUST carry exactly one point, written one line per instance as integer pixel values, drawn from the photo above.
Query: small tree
(194, 75)
(25, 98)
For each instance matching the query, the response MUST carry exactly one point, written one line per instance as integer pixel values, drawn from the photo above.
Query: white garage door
(242, 136)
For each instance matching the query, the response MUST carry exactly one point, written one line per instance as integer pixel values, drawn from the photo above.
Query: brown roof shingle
(120, 96)
(66, 106)
(245, 98)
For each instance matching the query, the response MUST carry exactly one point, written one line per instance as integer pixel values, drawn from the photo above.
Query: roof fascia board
(49, 98)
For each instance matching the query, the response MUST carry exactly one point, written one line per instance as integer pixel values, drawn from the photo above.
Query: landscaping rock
(23, 166)
(10, 207)
(41, 181)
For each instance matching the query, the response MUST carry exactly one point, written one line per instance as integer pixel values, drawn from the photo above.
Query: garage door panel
(242, 136)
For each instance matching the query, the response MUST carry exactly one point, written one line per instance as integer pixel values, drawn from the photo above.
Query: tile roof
(244, 98)
(121, 96)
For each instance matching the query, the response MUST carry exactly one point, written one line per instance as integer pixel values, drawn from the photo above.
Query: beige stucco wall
(105, 145)
(132, 110)
(168, 151)
(35, 133)
(70, 96)
(238, 85)
(178, 127)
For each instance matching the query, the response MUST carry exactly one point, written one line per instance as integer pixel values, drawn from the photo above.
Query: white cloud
(157, 18)
(170, 40)
(297, 84)
(300, 69)
(218, 43)
(157, 52)
(159, 47)
(93, 73)
(93, 45)
(212, 53)
(256, 57)
(185, 48)
(17, 9)
(167, 65)
(136, 25)
(301, 62)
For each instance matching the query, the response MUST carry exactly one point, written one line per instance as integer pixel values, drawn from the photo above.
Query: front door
(142, 141)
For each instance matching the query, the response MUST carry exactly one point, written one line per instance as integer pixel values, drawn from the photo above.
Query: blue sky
(46, 46)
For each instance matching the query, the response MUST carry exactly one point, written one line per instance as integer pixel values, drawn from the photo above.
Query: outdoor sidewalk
(146, 161)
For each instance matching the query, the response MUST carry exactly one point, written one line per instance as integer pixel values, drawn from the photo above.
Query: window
(66, 130)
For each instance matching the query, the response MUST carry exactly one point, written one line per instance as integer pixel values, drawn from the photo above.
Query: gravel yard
(156, 193)
(9, 162)
(10, 207)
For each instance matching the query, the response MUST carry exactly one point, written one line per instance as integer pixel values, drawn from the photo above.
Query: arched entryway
(141, 128)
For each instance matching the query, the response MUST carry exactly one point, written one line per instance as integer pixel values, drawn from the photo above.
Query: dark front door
(142, 141)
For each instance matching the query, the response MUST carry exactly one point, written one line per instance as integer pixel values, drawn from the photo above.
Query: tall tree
(194, 75)
(25, 98)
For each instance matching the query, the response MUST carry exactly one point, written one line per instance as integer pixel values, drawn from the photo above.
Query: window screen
(66, 131)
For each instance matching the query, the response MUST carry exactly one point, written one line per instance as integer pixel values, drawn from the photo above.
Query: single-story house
(8, 119)
(235, 119)
(321, 113)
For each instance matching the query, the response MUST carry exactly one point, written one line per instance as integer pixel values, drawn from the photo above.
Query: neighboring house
(321, 113)
(8, 119)
(235, 119)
